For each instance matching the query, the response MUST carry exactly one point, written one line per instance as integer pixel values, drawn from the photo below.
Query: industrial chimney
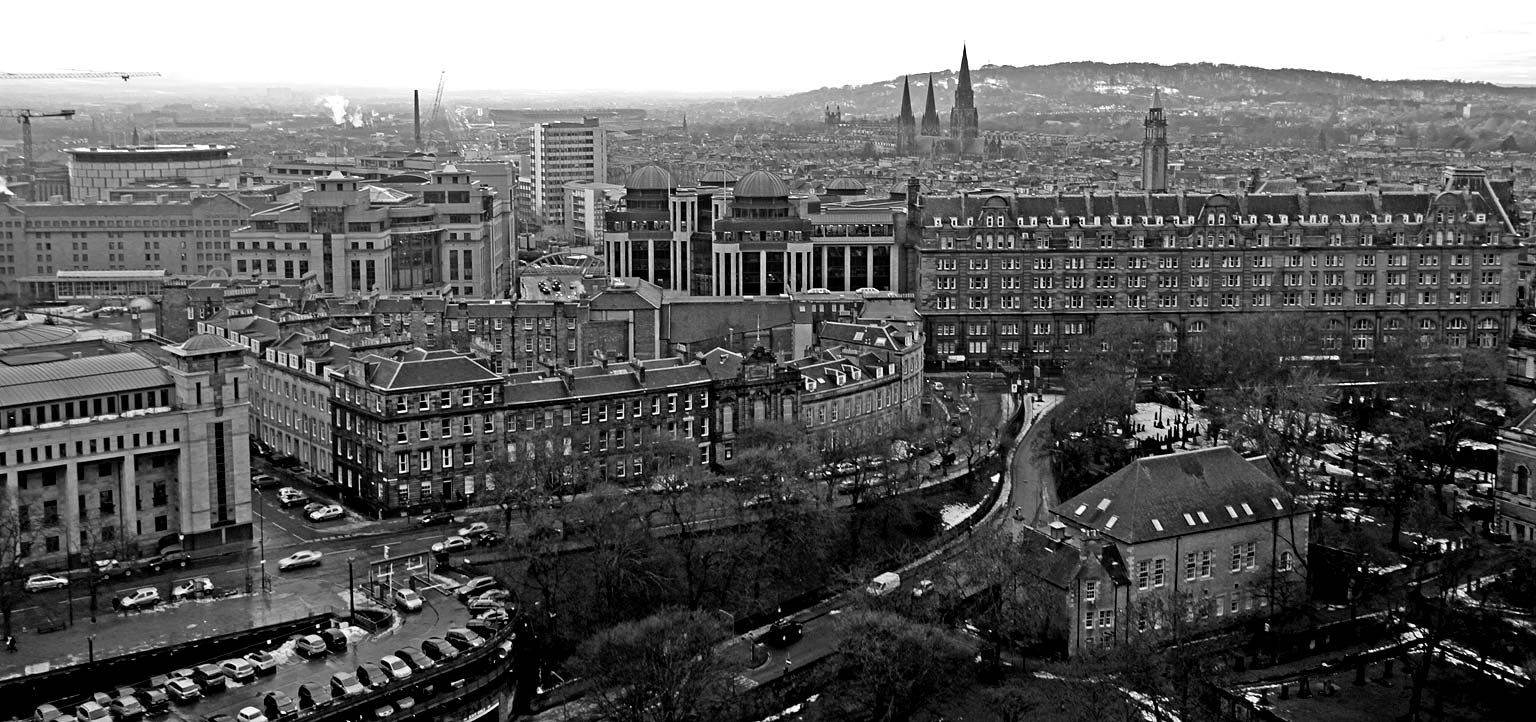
(416, 98)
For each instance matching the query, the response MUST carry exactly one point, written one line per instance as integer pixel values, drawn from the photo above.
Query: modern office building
(1008, 278)
(38, 241)
(564, 152)
(95, 172)
(107, 450)
(586, 205)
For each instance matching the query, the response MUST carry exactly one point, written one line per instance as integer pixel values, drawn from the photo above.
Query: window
(1090, 592)
(1287, 561)
(1207, 563)
(1159, 571)
(1143, 574)
(1237, 558)
(1250, 554)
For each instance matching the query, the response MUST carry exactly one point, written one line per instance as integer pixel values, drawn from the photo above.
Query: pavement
(1034, 488)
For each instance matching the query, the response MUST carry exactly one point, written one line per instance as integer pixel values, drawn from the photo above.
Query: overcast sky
(763, 47)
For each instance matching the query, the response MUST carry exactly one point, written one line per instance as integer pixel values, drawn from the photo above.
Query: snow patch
(954, 514)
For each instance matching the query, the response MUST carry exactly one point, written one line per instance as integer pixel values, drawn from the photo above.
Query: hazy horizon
(691, 49)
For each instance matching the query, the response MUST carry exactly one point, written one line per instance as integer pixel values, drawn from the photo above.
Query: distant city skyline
(687, 46)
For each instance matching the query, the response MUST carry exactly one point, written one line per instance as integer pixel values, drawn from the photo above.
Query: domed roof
(204, 342)
(21, 334)
(761, 184)
(845, 184)
(717, 177)
(649, 178)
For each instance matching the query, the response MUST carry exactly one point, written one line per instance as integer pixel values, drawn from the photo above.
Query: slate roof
(71, 378)
(419, 369)
(1189, 492)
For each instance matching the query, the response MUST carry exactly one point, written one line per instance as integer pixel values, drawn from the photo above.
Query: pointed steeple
(964, 122)
(931, 112)
(965, 97)
(906, 98)
(906, 124)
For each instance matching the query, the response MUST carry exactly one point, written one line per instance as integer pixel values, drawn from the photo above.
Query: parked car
(141, 598)
(158, 682)
(250, 714)
(313, 695)
(783, 633)
(452, 544)
(183, 690)
(478, 527)
(92, 712)
(113, 569)
(439, 649)
(335, 639)
(262, 662)
(194, 588)
(168, 558)
(310, 645)
(463, 638)
(414, 657)
(154, 701)
(44, 582)
(345, 684)
(264, 481)
(327, 513)
(238, 670)
(102, 698)
(491, 599)
(489, 538)
(290, 497)
(433, 518)
(299, 560)
(46, 713)
(475, 586)
(492, 616)
(373, 676)
(408, 600)
(395, 667)
(210, 677)
(278, 705)
(383, 711)
(126, 708)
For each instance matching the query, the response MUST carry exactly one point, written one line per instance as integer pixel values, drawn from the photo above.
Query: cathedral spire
(906, 124)
(964, 123)
(965, 97)
(930, 112)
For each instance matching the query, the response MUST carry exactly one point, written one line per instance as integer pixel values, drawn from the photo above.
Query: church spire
(965, 97)
(906, 123)
(930, 112)
(964, 124)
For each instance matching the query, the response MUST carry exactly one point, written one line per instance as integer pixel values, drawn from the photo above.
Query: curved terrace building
(95, 172)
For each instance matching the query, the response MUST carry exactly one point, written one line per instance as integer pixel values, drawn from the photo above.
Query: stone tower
(931, 113)
(1154, 148)
(963, 121)
(906, 123)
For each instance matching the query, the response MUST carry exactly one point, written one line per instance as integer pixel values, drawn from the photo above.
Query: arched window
(1522, 480)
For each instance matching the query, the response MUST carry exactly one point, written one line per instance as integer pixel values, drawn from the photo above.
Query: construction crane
(439, 122)
(70, 76)
(25, 117)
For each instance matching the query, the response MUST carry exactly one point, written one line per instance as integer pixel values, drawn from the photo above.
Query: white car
(251, 714)
(140, 598)
(191, 588)
(326, 513)
(395, 666)
(408, 600)
(478, 527)
(299, 560)
(41, 582)
(452, 544)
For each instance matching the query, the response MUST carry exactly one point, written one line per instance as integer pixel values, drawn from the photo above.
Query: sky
(773, 47)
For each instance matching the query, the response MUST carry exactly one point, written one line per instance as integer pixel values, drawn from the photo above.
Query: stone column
(127, 491)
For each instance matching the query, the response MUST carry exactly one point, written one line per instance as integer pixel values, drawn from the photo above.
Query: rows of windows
(26, 416)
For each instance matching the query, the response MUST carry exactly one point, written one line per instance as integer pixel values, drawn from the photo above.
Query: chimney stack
(416, 101)
(1092, 545)
(1058, 531)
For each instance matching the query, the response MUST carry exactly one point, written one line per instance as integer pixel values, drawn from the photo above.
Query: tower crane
(70, 76)
(25, 117)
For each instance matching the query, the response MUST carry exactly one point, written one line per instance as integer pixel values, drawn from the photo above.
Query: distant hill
(1006, 91)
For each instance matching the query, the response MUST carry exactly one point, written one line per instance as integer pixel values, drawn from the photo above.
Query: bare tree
(15, 535)
(665, 668)
(894, 666)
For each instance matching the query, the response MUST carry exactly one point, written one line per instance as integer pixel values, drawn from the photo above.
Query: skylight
(1203, 519)
(1247, 509)
(1189, 520)
(1157, 525)
(1080, 509)
(1276, 502)
(1111, 523)
(1104, 504)
(1232, 512)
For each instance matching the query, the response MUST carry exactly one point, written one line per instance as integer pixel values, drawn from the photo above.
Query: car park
(463, 638)
(154, 700)
(373, 676)
(313, 695)
(433, 518)
(262, 662)
(478, 527)
(92, 712)
(210, 677)
(395, 667)
(452, 544)
(183, 690)
(126, 708)
(439, 649)
(345, 684)
(141, 598)
(299, 560)
(264, 481)
(475, 586)
(195, 588)
(44, 582)
(310, 645)
(278, 705)
(415, 658)
(238, 670)
(327, 513)
(250, 714)
(408, 600)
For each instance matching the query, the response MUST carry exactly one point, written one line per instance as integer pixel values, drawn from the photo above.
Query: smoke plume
(338, 107)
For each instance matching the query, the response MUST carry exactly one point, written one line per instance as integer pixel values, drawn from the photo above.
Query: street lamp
(351, 589)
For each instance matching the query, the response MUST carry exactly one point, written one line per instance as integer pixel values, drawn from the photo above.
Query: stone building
(1515, 510)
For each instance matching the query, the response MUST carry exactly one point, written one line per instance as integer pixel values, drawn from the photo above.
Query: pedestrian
(10, 643)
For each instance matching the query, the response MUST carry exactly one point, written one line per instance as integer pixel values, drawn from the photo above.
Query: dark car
(210, 677)
(433, 518)
(155, 700)
(127, 708)
(463, 638)
(278, 705)
(345, 684)
(372, 675)
(335, 639)
(439, 649)
(415, 658)
(783, 633)
(489, 538)
(313, 695)
(475, 586)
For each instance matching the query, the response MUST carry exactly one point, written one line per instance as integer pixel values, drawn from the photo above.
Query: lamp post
(266, 581)
(351, 589)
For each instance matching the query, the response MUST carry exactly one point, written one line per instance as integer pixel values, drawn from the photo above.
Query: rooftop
(39, 378)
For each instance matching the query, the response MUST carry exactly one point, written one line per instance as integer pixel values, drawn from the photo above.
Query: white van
(884, 584)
